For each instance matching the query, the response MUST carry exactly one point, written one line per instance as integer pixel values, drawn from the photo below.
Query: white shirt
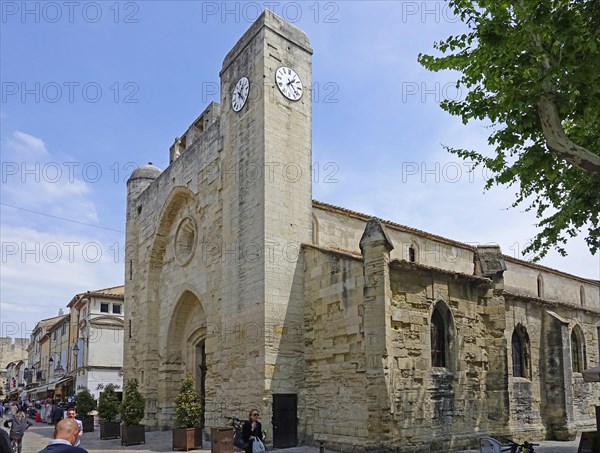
(80, 424)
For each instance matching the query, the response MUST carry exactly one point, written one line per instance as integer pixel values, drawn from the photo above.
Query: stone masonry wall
(441, 409)
(11, 350)
(553, 401)
(334, 376)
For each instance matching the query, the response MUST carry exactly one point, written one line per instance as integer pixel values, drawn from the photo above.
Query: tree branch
(557, 141)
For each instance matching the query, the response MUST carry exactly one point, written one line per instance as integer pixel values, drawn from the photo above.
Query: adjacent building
(13, 362)
(80, 349)
(41, 372)
(96, 344)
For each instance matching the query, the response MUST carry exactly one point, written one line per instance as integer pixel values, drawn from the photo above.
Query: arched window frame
(412, 253)
(315, 230)
(578, 355)
(442, 337)
(521, 355)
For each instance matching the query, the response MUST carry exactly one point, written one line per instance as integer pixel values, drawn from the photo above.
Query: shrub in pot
(108, 409)
(188, 414)
(132, 413)
(86, 404)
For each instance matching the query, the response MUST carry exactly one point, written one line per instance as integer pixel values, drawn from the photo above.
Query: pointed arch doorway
(185, 352)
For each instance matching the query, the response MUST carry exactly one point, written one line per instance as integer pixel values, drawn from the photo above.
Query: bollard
(321, 447)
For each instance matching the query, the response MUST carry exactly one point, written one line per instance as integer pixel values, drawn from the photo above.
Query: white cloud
(32, 179)
(27, 145)
(43, 270)
(46, 261)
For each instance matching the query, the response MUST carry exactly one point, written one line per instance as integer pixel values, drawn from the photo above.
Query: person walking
(49, 409)
(71, 413)
(58, 413)
(252, 430)
(65, 435)
(18, 425)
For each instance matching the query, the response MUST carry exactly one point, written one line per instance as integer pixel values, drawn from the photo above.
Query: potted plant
(108, 409)
(188, 413)
(132, 413)
(86, 404)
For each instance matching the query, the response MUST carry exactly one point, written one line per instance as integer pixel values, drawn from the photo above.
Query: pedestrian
(252, 430)
(4, 441)
(71, 413)
(57, 413)
(49, 409)
(65, 435)
(1, 411)
(18, 425)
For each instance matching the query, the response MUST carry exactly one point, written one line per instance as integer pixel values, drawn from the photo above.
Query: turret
(141, 178)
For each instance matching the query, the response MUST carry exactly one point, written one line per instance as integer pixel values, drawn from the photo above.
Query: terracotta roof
(47, 323)
(113, 292)
(548, 302)
(403, 264)
(407, 229)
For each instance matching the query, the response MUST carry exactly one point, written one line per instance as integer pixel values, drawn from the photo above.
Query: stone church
(359, 332)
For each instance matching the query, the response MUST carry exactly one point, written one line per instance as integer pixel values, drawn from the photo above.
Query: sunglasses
(255, 414)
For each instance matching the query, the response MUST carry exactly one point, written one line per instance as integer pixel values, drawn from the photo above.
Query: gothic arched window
(517, 355)
(411, 254)
(520, 353)
(577, 350)
(438, 339)
(540, 286)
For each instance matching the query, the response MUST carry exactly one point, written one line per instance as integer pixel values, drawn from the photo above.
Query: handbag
(239, 441)
(258, 446)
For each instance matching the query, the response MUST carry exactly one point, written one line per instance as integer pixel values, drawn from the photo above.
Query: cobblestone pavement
(39, 434)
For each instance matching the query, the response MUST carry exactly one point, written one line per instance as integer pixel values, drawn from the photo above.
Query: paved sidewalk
(39, 434)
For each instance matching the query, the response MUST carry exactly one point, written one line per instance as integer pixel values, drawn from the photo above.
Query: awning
(37, 390)
(65, 379)
(591, 374)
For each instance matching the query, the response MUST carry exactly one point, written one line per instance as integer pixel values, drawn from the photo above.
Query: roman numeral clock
(240, 94)
(289, 83)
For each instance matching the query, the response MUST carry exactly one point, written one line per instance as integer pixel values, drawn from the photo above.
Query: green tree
(85, 402)
(133, 404)
(532, 68)
(108, 404)
(188, 404)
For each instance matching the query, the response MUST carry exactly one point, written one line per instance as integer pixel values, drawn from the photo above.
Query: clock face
(240, 94)
(289, 83)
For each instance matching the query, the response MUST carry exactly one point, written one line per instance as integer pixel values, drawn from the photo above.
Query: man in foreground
(65, 435)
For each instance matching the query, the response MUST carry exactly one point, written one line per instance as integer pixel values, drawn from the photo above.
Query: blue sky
(90, 90)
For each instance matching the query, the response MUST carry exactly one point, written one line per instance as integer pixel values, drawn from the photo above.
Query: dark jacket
(247, 431)
(62, 448)
(58, 413)
(5, 446)
(18, 425)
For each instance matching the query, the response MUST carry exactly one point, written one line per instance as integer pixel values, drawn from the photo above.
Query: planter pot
(133, 435)
(88, 423)
(187, 438)
(110, 430)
